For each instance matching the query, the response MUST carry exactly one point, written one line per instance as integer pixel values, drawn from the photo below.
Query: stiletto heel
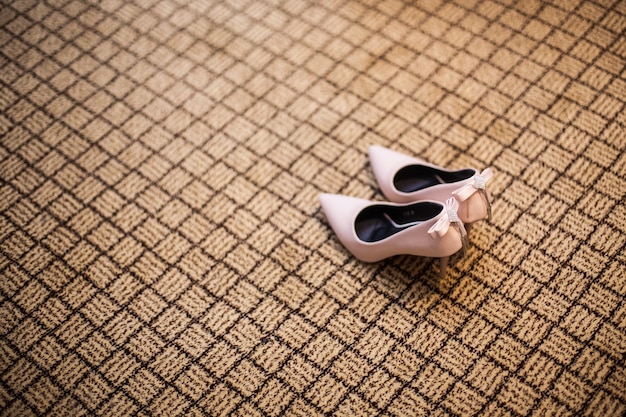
(373, 231)
(443, 265)
(404, 178)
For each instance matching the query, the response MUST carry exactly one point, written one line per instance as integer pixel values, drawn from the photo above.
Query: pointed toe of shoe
(381, 156)
(327, 199)
(385, 163)
(340, 210)
(334, 206)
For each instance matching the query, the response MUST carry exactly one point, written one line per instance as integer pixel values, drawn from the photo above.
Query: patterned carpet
(163, 250)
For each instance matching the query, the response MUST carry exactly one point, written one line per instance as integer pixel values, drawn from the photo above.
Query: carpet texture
(162, 247)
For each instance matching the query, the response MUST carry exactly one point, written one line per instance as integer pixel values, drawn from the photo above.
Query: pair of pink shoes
(426, 216)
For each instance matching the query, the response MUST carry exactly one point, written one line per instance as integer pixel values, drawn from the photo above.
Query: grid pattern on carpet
(162, 249)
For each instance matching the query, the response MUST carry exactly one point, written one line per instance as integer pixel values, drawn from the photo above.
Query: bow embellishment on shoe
(451, 218)
(478, 185)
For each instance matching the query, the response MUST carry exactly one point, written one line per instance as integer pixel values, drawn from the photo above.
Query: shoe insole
(378, 222)
(417, 177)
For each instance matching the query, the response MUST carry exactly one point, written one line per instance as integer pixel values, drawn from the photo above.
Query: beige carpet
(163, 251)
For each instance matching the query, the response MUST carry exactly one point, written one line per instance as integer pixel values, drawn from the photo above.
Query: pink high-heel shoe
(403, 178)
(373, 231)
